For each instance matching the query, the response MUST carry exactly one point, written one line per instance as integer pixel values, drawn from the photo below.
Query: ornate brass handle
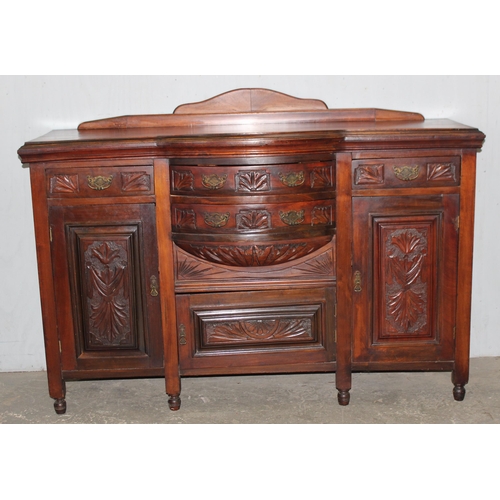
(100, 182)
(153, 286)
(213, 181)
(407, 173)
(216, 219)
(293, 217)
(292, 179)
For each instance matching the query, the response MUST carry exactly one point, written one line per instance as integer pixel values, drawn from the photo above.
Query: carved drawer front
(243, 218)
(406, 172)
(100, 181)
(216, 180)
(245, 329)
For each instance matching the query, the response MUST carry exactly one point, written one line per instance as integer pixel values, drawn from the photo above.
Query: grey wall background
(31, 106)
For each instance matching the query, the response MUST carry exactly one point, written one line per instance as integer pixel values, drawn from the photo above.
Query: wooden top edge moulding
(245, 106)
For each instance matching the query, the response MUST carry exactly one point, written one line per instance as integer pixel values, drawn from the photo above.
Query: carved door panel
(404, 278)
(106, 279)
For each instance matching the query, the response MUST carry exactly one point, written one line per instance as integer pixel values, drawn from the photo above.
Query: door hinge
(50, 233)
(456, 222)
(454, 332)
(60, 348)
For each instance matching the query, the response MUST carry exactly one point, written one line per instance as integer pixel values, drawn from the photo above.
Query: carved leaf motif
(369, 174)
(406, 294)
(136, 181)
(253, 255)
(253, 219)
(255, 180)
(108, 294)
(64, 183)
(192, 270)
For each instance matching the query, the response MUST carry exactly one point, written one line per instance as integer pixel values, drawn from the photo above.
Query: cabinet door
(404, 279)
(106, 283)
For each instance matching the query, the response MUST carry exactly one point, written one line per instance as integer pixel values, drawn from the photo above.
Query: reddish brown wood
(254, 233)
(170, 328)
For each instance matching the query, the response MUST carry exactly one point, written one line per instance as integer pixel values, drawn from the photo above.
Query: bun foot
(459, 392)
(174, 402)
(343, 398)
(60, 406)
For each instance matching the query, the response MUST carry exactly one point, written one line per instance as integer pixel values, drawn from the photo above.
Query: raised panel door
(404, 278)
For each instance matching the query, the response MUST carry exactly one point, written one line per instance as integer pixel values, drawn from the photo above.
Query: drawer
(242, 218)
(100, 181)
(241, 329)
(406, 172)
(216, 180)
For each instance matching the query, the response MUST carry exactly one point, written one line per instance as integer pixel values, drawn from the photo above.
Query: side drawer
(241, 330)
(406, 172)
(95, 182)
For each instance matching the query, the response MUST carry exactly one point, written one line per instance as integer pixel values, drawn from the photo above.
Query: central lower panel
(257, 331)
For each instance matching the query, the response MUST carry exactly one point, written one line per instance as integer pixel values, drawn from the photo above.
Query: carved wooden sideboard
(254, 233)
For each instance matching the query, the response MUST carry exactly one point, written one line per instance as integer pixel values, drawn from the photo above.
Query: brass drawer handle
(100, 182)
(216, 219)
(292, 218)
(292, 179)
(213, 181)
(407, 173)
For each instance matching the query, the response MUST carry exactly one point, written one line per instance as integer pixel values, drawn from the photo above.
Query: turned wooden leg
(174, 402)
(343, 398)
(459, 392)
(60, 406)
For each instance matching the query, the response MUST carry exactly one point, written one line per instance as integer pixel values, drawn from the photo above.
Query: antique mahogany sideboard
(254, 232)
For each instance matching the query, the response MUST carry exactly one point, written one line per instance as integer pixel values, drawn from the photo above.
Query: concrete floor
(376, 398)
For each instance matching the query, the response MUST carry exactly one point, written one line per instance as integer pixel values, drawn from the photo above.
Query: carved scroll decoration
(108, 303)
(406, 294)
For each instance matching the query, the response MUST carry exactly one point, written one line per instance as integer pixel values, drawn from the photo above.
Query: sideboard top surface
(244, 117)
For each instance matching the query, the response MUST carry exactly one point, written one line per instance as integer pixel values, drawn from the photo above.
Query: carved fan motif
(108, 294)
(369, 174)
(258, 330)
(136, 181)
(253, 219)
(321, 177)
(254, 180)
(64, 183)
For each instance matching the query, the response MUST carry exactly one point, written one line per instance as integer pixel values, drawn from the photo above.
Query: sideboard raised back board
(254, 233)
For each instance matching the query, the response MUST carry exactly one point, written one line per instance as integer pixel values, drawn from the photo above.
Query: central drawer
(257, 214)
